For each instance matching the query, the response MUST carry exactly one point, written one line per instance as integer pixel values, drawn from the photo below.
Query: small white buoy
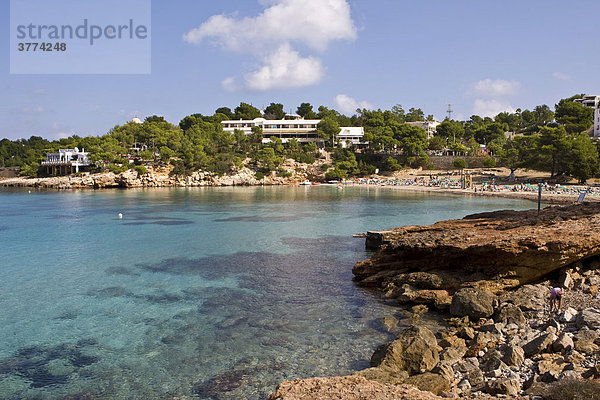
(120, 216)
(29, 191)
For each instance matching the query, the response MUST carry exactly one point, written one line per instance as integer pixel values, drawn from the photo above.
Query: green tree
(573, 116)
(583, 161)
(246, 111)
(225, 111)
(450, 130)
(274, 111)
(437, 143)
(305, 110)
(328, 129)
(415, 114)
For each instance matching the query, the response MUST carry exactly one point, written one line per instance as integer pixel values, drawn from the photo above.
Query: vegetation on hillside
(541, 139)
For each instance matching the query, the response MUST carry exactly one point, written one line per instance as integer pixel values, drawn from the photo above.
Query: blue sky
(481, 56)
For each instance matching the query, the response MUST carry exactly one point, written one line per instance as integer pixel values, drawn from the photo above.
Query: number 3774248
(41, 46)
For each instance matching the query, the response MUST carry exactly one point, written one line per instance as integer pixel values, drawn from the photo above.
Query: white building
(65, 160)
(594, 102)
(303, 130)
(429, 126)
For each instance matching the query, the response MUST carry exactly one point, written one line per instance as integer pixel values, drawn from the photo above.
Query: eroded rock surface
(489, 251)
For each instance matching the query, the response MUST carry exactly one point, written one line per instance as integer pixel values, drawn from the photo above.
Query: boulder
(453, 354)
(507, 386)
(539, 344)
(528, 297)
(568, 315)
(434, 383)
(467, 333)
(472, 302)
(585, 341)
(565, 280)
(514, 356)
(509, 313)
(589, 317)
(452, 341)
(563, 344)
(415, 350)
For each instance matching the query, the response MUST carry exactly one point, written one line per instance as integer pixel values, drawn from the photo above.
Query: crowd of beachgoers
(452, 181)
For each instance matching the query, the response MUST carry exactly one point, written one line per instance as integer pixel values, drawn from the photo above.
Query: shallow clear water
(216, 293)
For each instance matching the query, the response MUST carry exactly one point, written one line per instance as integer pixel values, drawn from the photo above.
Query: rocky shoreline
(162, 177)
(490, 276)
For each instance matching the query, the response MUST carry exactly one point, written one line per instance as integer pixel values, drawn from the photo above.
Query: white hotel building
(594, 102)
(303, 130)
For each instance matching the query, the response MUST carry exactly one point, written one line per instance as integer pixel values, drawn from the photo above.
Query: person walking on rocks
(556, 299)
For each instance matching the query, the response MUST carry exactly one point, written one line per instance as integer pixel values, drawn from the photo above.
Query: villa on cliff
(66, 161)
(303, 130)
(593, 102)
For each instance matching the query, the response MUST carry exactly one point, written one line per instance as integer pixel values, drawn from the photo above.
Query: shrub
(460, 163)
(430, 166)
(178, 168)
(573, 389)
(489, 162)
(259, 175)
(336, 174)
(393, 164)
(116, 169)
(141, 170)
(283, 173)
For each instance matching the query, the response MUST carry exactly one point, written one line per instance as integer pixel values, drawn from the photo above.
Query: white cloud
(491, 108)
(283, 69)
(495, 88)
(229, 84)
(348, 105)
(270, 37)
(311, 22)
(560, 76)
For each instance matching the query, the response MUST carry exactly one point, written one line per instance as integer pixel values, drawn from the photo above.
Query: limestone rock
(452, 341)
(563, 344)
(539, 344)
(347, 388)
(528, 297)
(472, 302)
(568, 315)
(415, 351)
(434, 383)
(505, 386)
(514, 356)
(509, 313)
(589, 317)
(491, 251)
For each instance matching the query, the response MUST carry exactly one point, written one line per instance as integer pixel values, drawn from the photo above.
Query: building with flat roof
(303, 130)
(66, 161)
(594, 102)
(429, 126)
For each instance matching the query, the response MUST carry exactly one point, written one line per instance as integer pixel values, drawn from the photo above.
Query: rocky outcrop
(490, 251)
(347, 388)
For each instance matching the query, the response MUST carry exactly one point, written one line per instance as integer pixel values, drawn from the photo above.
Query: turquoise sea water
(213, 293)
